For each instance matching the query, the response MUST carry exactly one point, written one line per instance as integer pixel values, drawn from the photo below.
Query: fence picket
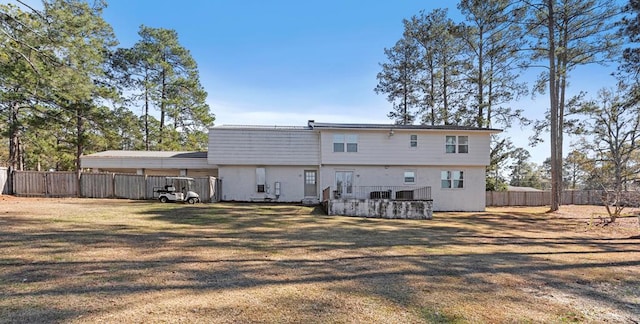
(97, 185)
(29, 183)
(542, 198)
(129, 186)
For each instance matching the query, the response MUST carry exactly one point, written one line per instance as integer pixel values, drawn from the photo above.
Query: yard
(83, 260)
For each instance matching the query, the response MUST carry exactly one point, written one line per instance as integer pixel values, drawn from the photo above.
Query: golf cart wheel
(192, 200)
(163, 199)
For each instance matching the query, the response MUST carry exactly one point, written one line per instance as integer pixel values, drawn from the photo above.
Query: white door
(344, 183)
(310, 183)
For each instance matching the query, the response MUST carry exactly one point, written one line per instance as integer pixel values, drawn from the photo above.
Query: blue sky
(282, 62)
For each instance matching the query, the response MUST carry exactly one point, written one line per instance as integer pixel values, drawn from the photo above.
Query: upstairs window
(463, 144)
(450, 144)
(338, 143)
(457, 144)
(413, 140)
(352, 143)
(345, 143)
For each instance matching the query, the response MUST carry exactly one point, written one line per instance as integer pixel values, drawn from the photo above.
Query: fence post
(79, 192)
(46, 184)
(113, 185)
(573, 193)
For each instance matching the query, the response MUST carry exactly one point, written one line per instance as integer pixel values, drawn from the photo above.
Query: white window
(452, 179)
(413, 140)
(260, 180)
(345, 143)
(352, 143)
(409, 177)
(463, 144)
(338, 143)
(459, 144)
(450, 144)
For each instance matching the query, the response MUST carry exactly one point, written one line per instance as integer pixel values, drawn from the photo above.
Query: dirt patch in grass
(81, 260)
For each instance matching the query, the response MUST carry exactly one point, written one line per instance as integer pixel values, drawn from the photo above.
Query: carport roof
(149, 160)
(149, 154)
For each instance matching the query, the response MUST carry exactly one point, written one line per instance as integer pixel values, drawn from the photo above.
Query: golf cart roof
(179, 178)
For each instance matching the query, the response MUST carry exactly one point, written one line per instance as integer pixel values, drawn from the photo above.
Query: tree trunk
(14, 137)
(20, 155)
(563, 64)
(432, 92)
(57, 150)
(445, 101)
(405, 90)
(480, 116)
(490, 94)
(146, 111)
(553, 108)
(163, 107)
(79, 143)
(559, 152)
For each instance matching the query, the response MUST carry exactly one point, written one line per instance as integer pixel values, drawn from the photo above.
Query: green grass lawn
(83, 260)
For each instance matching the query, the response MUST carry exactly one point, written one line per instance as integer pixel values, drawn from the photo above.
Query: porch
(379, 202)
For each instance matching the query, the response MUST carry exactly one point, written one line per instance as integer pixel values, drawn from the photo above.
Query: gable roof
(314, 125)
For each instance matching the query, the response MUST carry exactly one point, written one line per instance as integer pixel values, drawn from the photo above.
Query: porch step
(310, 201)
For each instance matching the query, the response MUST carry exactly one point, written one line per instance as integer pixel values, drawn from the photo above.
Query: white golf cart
(178, 189)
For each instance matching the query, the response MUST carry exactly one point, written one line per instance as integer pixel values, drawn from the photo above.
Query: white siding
(239, 182)
(376, 147)
(470, 198)
(241, 146)
(381, 160)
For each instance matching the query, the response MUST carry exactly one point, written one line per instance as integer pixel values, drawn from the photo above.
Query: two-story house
(293, 164)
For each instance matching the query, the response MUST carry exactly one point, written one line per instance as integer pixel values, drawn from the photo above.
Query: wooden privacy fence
(100, 185)
(5, 184)
(542, 198)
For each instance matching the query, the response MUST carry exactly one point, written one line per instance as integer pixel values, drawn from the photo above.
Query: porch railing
(382, 192)
(326, 194)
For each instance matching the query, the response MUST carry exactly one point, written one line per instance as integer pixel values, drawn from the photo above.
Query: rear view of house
(294, 164)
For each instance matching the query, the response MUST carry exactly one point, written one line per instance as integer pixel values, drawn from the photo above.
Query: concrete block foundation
(381, 208)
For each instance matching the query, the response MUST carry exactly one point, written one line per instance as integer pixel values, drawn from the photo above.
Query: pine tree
(25, 63)
(630, 28)
(437, 38)
(167, 75)
(568, 34)
(492, 40)
(81, 42)
(400, 80)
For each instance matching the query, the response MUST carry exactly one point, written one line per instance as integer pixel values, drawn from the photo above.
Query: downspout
(319, 184)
